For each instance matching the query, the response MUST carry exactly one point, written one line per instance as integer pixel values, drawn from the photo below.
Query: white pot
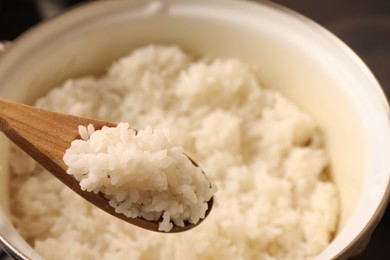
(298, 57)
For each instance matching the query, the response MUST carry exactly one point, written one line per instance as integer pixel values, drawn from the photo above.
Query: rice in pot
(265, 155)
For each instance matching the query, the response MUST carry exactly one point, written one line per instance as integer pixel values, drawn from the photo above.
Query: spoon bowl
(46, 135)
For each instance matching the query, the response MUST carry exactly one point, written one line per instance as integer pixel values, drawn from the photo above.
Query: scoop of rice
(141, 174)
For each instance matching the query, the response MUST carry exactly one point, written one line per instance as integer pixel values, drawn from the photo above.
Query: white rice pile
(275, 198)
(140, 173)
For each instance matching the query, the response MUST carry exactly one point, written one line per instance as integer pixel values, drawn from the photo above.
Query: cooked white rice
(275, 200)
(141, 173)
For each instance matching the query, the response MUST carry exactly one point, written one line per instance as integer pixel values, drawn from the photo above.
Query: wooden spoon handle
(42, 134)
(45, 136)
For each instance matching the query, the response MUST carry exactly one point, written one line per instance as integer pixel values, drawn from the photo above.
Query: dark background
(363, 24)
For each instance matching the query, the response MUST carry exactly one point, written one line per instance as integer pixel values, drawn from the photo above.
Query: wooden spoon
(46, 135)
